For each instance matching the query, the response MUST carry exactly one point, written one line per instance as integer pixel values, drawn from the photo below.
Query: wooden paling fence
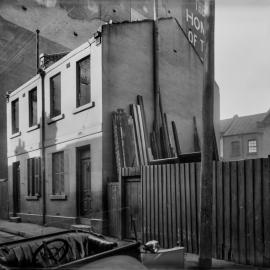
(241, 208)
(170, 202)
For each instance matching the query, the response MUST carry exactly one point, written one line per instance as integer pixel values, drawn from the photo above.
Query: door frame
(78, 175)
(16, 187)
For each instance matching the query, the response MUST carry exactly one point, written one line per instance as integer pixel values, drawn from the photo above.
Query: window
(58, 185)
(252, 146)
(33, 168)
(33, 107)
(235, 148)
(15, 115)
(83, 81)
(55, 86)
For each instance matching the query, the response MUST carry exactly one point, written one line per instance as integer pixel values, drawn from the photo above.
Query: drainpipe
(43, 158)
(37, 49)
(41, 72)
(156, 68)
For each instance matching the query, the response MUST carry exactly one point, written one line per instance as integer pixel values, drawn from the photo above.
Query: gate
(132, 214)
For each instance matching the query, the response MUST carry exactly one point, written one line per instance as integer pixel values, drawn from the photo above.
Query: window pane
(55, 95)
(83, 84)
(33, 174)
(252, 146)
(235, 149)
(58, 173)
(33, 107)
(15, 116)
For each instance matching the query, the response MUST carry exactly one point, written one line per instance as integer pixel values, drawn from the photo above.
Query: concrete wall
(77, 127)
(127, 67)
(181, 83)
(127, 52)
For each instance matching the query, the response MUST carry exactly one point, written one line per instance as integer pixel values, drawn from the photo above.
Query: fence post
(266, 212)
(121, 198)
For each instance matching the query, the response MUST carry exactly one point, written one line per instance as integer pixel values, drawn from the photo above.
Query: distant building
(245, 137)
(81, 90)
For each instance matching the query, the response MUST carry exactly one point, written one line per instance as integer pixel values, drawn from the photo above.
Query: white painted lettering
(197, 23)
(194, 39)
(202, 45)
(189, 16)
(190, 36)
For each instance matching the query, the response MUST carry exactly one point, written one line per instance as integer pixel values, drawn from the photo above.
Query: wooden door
(133, 213)
(85, 197)
(16, 187)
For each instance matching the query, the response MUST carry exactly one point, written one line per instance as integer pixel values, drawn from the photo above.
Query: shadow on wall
(24, 170)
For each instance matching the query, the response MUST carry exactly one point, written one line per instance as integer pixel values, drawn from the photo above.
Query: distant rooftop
(243, 124)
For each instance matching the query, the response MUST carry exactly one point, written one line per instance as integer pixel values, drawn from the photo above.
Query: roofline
(53, 66)
(240, 134)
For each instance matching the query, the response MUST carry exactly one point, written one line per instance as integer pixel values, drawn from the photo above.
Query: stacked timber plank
(131, 140)
(134, 146)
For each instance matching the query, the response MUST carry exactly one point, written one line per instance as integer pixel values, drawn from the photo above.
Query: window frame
(15, 117)
(34, 178)
(52, 107)
(252, 146)
(233, 154)
(78, 104)
(31, 123)
(55, 175)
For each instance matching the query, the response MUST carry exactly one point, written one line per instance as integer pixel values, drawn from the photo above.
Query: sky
(242, 56)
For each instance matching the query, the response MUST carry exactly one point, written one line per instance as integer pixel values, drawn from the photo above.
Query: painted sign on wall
(194, 18)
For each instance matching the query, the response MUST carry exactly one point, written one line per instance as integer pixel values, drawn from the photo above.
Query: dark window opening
(33, 167)
(15, 116)
(33, 107)
(83, 81)
(235, 148)
(55, 86)
(58, 185)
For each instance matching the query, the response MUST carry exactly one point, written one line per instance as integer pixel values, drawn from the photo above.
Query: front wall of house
(266, 141)
(87, 121)
(243, 139)
(76, 129)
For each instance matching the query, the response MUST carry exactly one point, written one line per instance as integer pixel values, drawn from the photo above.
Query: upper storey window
(235, 149)
(33, 107)
(15, 115)
(55, 86)
(252, 146)
(83, 81)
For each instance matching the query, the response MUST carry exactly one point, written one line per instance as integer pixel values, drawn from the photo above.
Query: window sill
(33, 128)
(84, 107)
(58, 197)
(32, 198)
(17, 134)
(253, 154)
(56, 118)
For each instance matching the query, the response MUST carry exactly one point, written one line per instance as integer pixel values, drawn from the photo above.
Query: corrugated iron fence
(241, 208)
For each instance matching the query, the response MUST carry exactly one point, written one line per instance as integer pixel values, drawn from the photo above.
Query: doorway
(84, 182)
(16, 187)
